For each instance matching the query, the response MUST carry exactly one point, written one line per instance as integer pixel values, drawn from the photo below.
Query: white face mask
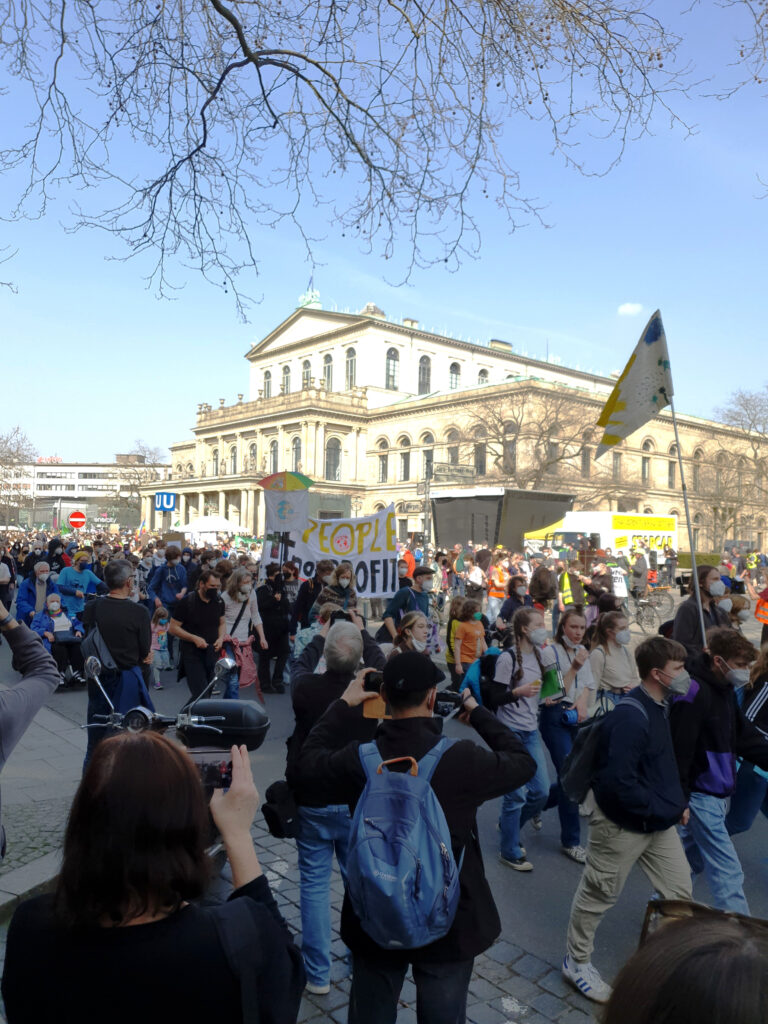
(622, 636)
(418, 645)
(570, 643)
(403, 572)
(43, 577)
(344, 582)
(538, 637)
(53, 608)
(717, 589)
(725, 605)
(328, 579)
(245, 592)
(520, 591)
(426, 583)
(743, 615)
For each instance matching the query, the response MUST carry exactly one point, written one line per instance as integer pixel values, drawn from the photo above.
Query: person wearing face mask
(412, 635)
(166, 586)
(198, 622)
(469, 639)
(751, 793)
(307, 595)
(613, 668)
(36, 554)
(556, 723)
(76, 581)
(57, 558)
(60, 636)
(497, 575)
(403, 579)
(408, 599)
(340, 591)
(687, 626)
(276, 618)
(710, 730)
(520, 667)
(143, 572)
(242, 619)
(517, 597)
(638, 800)
(34, 592)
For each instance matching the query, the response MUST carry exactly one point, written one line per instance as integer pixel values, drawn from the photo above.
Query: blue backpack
(402, 879)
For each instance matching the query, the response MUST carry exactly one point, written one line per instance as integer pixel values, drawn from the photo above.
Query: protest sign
(619, 582)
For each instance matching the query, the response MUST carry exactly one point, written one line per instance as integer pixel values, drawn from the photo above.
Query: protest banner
(368, 543)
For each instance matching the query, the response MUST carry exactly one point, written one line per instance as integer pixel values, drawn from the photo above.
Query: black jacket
(309, 591)
(709, 731)
(755, 706)
(687, 627)
(636, 782)
(466, 776)
(275, 612)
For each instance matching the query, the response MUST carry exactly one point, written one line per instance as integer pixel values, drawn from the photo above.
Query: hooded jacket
(60, 561)
(709, 731)
(43, 623)
(26, 598)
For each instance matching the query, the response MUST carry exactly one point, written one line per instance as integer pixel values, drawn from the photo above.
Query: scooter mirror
(223, 666)
(92, 667)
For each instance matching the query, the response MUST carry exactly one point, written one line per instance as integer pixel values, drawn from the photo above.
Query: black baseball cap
(411, 672)
(423, 570)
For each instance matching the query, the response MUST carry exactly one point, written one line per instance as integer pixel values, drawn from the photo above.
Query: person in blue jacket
(76, 581)
(33, 593)
(166, 586)
(60, 635)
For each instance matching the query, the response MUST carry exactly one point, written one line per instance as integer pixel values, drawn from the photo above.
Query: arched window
(233, 461)
(647, 446)
(425, 375)
(696, 482)
(645, 464)
(696, 526)
(350, 374)
(190, 469)
(306, 373)
(286, 380)
(383, 458)
(177, 470)
(333, 459)
(267, 384)
(405, 458)
(586, 463)
(454, 376)
(479, 452)
(295, 454)
(672, 468)
(391, 370)
(719, 466)
(273, 456)
(482, 377)
(647, 511)
(328, 372)
(252, 457)
(429, 454)
(452, 437)
(215, 461)
(616, 467)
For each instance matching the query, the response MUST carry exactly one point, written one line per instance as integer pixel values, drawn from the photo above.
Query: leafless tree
(15, 450)
(204, 121)
(142, 469)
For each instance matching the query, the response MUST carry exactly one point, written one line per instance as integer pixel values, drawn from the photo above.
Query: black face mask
(211, 592)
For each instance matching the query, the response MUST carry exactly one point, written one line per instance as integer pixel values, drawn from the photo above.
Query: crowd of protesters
(680, 759)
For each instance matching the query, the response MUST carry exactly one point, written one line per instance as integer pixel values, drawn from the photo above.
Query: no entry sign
(76, 520)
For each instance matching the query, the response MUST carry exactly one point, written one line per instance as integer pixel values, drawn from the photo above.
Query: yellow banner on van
(662, 524)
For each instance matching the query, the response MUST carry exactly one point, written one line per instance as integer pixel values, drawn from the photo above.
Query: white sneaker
(537, 823)
(577, 853)
(317, 990)
(586, 979)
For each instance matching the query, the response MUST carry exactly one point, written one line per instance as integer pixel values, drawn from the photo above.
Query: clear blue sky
(92, 360)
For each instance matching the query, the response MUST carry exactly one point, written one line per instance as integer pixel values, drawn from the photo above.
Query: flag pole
(694, 570)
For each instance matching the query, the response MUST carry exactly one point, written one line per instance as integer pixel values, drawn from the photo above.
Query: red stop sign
(76, 520)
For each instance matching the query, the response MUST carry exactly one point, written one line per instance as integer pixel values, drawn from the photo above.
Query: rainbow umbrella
(285, 482)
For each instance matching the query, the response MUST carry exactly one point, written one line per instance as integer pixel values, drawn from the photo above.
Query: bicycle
(660, 597)
(642, 611)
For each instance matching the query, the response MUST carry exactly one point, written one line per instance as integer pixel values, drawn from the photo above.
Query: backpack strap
(635, 703)
(370, 758)
(428, 763)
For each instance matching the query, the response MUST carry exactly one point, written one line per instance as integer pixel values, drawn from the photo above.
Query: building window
(328, 372)
(453, 448)
(391, 370)
(333, 459)
(405, 458)
(425, 375)
(671, 475)
(383, 462)
(696, 531)
(480, 458)
(233, 461)
(286, 380)
(306, 373)
(267, 384)
(586, 463)
(429, 455)
(697, 470)
(351, 369)
(645, 470)
(295, 454)
(617, 465)
(482, 377)
(215, 461)
(273, 455)
(553, 456)
(454, 376)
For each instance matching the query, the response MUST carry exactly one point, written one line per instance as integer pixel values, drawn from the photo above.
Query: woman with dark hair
(700, 970)
(687, 627)
(121, 939)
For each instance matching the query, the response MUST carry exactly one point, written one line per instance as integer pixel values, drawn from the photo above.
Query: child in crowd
(160, 656)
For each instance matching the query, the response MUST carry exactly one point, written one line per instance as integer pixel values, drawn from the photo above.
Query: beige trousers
(611, 854)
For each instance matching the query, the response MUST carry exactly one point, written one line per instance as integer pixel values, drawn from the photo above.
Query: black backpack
(578, 770)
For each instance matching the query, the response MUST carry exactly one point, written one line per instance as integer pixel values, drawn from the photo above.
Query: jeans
(750, 797)
(322, 831)
(493, 609)
(441, 990)
(520, 805)
(232, 681)
(708, 848)
(559, 740)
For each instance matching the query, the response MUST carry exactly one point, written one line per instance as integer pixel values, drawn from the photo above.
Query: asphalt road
(534, 907)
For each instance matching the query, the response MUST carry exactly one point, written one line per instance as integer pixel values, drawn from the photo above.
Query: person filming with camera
(335, 763)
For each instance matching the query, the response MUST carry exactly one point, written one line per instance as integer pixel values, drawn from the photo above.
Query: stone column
(201, 503)
(183, 508)
(243, 509)
(222, 503)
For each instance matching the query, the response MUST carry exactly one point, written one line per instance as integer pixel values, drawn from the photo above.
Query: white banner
(285, 510)
(619, 582)
(369, 543)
